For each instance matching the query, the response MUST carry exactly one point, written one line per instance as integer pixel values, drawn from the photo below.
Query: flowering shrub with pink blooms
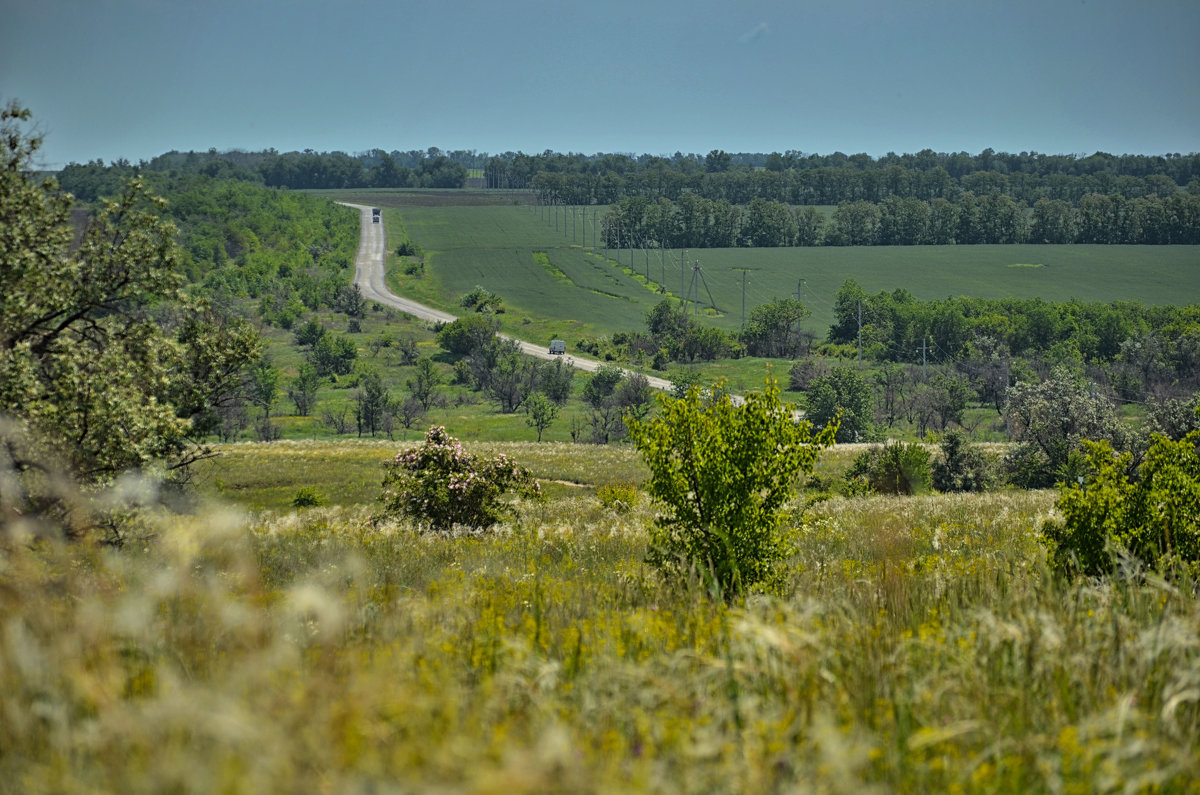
(441, 484)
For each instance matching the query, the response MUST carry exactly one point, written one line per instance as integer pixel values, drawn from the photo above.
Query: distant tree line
(793, 177)
(696, 222)
(828, 180)
(306, 170)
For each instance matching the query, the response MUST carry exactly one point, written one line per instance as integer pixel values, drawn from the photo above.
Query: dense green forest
(289, 251)
(724, 200)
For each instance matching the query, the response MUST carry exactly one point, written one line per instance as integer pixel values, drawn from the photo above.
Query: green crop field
(498, 247)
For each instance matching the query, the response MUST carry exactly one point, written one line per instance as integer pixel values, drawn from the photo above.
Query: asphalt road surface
(369, 268)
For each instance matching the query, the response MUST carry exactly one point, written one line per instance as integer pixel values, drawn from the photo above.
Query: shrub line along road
(369, 275)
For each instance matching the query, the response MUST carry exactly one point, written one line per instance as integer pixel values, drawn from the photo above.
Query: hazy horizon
(133, 79)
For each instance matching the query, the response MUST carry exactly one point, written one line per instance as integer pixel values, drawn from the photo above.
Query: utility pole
(924, 372)
(697, 271)
(662, 259)
(744, 272)
(860, 332)
(682, 277)
(799, 297)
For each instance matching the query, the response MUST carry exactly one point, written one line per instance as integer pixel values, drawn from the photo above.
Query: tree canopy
(105, 364)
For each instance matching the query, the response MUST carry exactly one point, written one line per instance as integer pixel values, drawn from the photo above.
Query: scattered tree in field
(602, 384)
(1049, 419)
(332, 355)
(230, 419)
(406, 350)
(614, 396)
(724, 473)
(938, 402)
(337, 421)
(373, 404)
(425, 382)
(377, 344)
(482, 300)
(303, 390)
(350, 301)
(540, 412)
(842, 398)
(310, 333)
(556, 381)
(442, 485)
(963, 466)
(264, 386)
(505, 374)
(773, 329)
(467, 334)
(409, 411)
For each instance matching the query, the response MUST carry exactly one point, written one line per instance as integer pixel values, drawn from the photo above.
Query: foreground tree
(1153, 517)
(105, 365)
(724, 473)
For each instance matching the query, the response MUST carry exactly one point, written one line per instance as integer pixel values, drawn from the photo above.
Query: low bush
(408, 248)
(1153, 517)
(307, 497)
(963, 466)
(893, 468)
(442, 485)
(619, 497)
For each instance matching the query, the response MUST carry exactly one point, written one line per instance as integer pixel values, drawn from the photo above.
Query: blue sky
(135, 78)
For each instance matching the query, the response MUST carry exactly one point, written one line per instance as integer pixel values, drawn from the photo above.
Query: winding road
(370, 268)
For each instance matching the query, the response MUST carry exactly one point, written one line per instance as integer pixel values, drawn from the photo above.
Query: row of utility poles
(689, 290)
(555, 213)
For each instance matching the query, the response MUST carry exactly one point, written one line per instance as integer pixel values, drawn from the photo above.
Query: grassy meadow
(915, 644)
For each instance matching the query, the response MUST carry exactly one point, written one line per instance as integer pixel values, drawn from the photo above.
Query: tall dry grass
(917, 645)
